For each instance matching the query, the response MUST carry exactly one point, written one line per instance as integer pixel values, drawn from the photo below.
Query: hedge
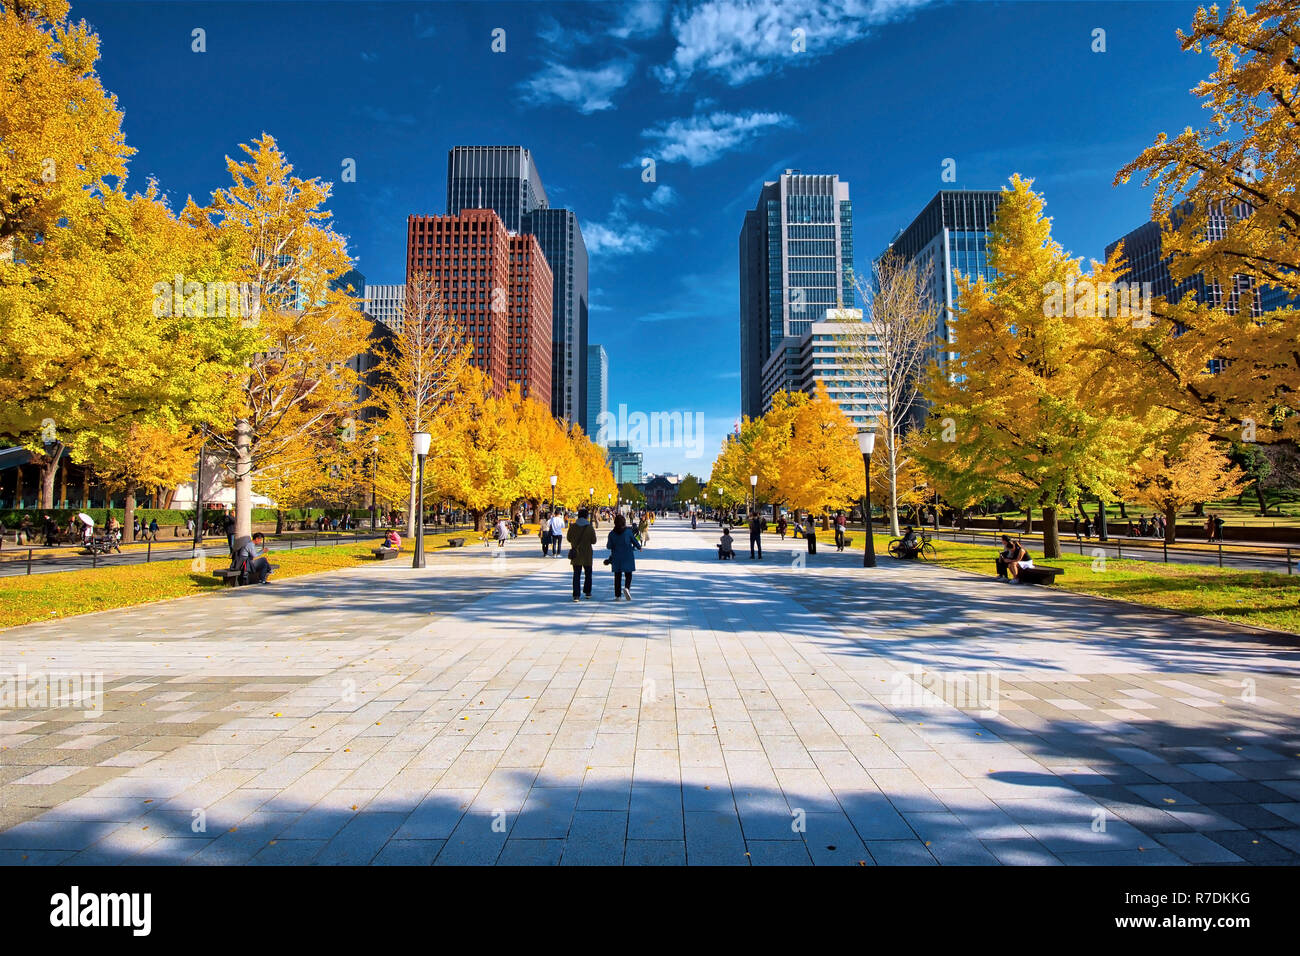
(12, 517)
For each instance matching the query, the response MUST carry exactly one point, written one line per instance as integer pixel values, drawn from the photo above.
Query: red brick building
(498, 284)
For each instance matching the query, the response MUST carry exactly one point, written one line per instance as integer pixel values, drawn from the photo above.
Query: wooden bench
(385, 554)
(230, 576)
(455, 542)
(1038, 575)
(848, 540)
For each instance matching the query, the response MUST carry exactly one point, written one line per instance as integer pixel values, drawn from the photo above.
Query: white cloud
(700, 140)
(742, 40)
(640, 19)
(661, 198)
(588, 91)
(619, 235)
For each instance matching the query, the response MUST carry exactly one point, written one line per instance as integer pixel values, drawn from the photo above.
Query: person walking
(544, 534)
(623, 545)
(230, 533)
(503, 531)
(755, 535)
(1218, 527)
(557, 533)
(781, 526)
(582, 539)
(153, 530)
(643, 529)
(692, 520)
(839, 530)
(810, 535)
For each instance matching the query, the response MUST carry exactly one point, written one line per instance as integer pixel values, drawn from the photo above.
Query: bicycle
(926, 551)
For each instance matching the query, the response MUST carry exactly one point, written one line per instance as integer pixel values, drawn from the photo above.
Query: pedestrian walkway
(793, 710)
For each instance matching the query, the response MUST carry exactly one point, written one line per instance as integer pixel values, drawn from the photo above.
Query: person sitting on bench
(393, 540)
(1012, 559)
(910, 546)
(250, 559)
(724, 546)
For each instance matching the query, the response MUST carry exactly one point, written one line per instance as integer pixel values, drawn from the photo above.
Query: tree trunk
(1199, 510)
(128, 514)
(826, 522)
(1051, 534)
(410, 503)
(243, 480)
(49, 468)
(1171, 524)
(1259, 496)
(1029, 521)
(279, 521)
(480, 524)
(893, 480)
(1123, 512)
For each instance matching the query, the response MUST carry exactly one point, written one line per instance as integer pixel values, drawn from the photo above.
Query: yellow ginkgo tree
(1226, 198)
(300, 385)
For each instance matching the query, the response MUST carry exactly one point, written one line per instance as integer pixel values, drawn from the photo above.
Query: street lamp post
(867, 444)
(753, 493)
(422, 441)
(554, 479)
(591, 496)
(198, 496)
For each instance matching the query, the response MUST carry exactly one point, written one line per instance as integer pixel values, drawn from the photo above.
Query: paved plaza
(788, 711)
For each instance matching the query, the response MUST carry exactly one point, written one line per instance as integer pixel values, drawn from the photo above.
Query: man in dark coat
(582, 539)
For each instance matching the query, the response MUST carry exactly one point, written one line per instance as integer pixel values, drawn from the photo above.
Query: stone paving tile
(735, 709)
(654, 853)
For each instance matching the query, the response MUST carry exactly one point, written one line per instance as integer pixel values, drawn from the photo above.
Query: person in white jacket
(557, 533)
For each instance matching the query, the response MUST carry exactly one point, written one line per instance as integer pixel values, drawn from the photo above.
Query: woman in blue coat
(622, 543)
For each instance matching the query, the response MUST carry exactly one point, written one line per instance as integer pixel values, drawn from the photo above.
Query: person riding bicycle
(910, 546)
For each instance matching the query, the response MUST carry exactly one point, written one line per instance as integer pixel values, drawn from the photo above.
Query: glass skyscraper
(560, 237)
(505, 179)
(597, 389)
(796, 261)
(501, 178)
(1146, 261)
(950, 236)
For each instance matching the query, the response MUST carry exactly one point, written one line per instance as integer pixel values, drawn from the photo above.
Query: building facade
(950, 236)
(842, 352)
(625, 463)
(505, 179)
(796, 261)
(384, 304)
(1146, 261)
(597, 389)
(561, 239)
(497, 286)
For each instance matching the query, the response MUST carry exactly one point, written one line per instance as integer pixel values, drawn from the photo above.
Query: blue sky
(884, 92)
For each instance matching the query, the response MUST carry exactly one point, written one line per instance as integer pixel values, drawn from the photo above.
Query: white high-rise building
(840, 351)
(384, 304)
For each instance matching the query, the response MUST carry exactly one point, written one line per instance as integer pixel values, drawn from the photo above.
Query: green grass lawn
(42, 597)
(1258, 598)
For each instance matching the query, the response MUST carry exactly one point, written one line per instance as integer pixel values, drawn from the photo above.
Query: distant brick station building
(660, 493)
(498, 285)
